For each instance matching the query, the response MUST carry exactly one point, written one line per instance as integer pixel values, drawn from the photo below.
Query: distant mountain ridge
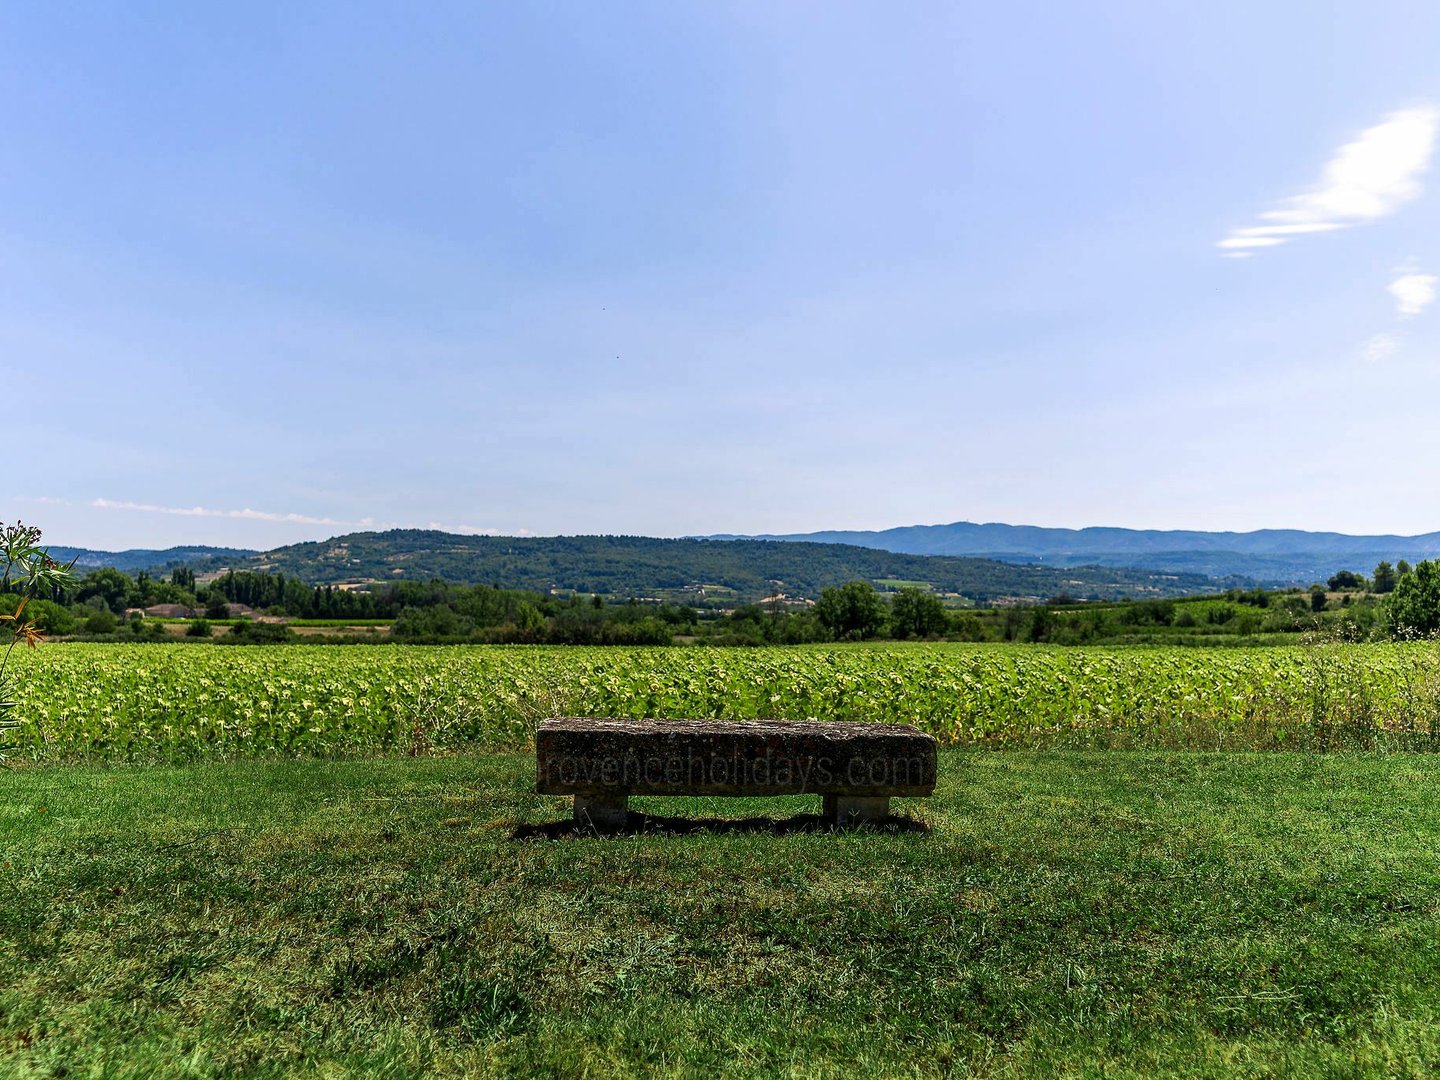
(1276, 556)
(643, 566)
(707, 572)
(1136, 559)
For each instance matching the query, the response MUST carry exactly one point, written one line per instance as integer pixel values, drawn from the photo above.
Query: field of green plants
(178, 703)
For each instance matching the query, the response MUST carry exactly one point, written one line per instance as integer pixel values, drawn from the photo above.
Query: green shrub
(1414, 606)
(257, 633)
(102, 622)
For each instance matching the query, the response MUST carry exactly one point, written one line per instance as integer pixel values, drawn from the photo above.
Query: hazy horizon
(50, 542)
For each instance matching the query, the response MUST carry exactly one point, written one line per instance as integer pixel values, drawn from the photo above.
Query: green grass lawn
(1083, 913)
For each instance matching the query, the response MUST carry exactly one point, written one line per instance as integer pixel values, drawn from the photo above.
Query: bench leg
(847, 811)
(602, 811)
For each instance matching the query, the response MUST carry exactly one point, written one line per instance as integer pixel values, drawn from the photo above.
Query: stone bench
(857, 768)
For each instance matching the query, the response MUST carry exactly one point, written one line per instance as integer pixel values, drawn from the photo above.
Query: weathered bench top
(597, 757)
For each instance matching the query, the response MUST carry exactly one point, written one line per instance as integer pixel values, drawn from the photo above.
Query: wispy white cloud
(1365, 180)
(1413, 292)
(290, 519)
(202, 511)
(1380, 347)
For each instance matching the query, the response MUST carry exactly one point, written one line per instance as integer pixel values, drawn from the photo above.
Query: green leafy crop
(181, 703)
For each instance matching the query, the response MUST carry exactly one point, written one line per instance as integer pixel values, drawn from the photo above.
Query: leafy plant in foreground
(28, 570)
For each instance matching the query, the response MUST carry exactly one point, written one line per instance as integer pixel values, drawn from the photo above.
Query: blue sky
(276, 272)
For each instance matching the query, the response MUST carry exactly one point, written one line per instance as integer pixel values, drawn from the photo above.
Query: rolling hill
(709, 572)
(742, 570)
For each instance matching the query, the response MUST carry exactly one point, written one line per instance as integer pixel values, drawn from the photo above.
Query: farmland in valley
(179, 703)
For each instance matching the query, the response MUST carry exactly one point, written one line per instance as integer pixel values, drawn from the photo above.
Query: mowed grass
(1079, 913)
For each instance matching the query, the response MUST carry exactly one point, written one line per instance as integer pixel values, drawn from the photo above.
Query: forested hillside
(693, 570)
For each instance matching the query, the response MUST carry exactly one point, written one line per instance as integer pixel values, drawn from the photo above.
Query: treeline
(97, 602)
(281, 595)
(1400, 602)
(438, 612)
(1253, 617)
(1237, 617)
(1396, 602)
(96, 605)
